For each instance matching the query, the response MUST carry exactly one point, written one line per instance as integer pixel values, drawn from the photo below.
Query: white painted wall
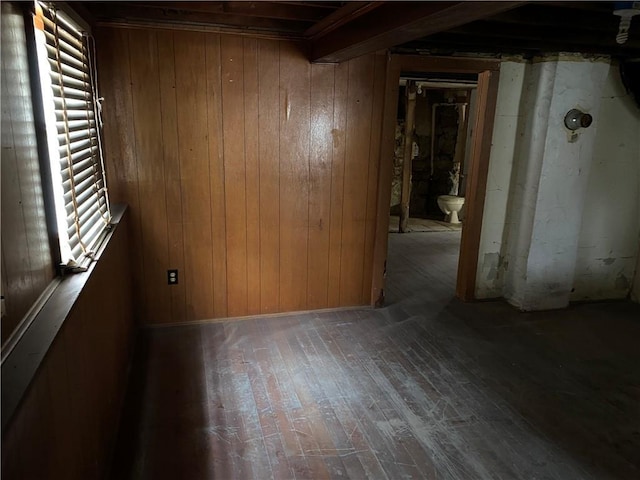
(569, 251)
(610, 232)
(490, 275)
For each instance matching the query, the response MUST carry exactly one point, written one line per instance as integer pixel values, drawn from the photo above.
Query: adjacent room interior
(320, 240)
(429, 175)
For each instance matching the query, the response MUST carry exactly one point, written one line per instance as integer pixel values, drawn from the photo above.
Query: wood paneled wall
(246, 167)
(66, 424)
(27, 267)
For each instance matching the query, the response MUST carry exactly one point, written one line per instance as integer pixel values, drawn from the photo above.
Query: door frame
(488, 74)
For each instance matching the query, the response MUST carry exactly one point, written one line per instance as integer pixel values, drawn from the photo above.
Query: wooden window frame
(49, 195)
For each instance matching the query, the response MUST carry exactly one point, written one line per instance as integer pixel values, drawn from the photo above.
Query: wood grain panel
(374, 169)
(216, 173)
(79, 350)
(268, 167)
(354, 204)
(172, 185)
(294, 176)
(27, 265)
(322, 85)
(147, 118)
(58, 388)
(232, 64)
(65, 425)
(384, 182)
(119, 141)
(25, 145)
(19, 292)
(269, 158)
(191, 95)
(252, 163)
(339, 134)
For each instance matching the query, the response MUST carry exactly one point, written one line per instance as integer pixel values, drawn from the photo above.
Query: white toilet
(450, 206)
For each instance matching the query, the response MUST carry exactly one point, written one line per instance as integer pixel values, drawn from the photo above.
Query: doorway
(428, 184)
(411, 67)
(431, 158)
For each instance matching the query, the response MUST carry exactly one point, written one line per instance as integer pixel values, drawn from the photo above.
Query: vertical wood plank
(355, 182)
(216, 172)
(290, 223)
(251, 122)
(407, 158)
(374, 163)
(66, 422)
(384, 182)
(477, 184)
(294, 176)
(16, 264)
(3, 288)
(38, 430)
(191, 97)
(172, 185)
(64, 449)
(147, 117)
(26, 151)
(119, 141)
(232, 59)
(269, 160)
(13, 446)
(339, 134)
(80, 397)
(322, 94)
(27, 266)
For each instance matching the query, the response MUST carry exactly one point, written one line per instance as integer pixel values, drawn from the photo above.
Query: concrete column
(551, 175)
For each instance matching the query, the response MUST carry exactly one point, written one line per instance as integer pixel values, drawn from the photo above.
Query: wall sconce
(626, 11)
(575, 119)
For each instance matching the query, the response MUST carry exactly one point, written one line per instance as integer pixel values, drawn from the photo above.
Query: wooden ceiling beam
(349, 12)
(119, 13)
(320, 4)
(394, 23)
(251, 9)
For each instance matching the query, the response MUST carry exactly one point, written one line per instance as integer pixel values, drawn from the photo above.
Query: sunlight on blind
(73, 133)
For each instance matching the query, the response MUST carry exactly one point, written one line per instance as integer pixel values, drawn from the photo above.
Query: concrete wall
(606, 221)
(490, 276)
(608, 246)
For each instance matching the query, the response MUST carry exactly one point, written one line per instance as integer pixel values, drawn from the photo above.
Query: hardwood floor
(422, 266)
(427, 387)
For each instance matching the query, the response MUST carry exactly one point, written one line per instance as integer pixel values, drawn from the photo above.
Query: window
(66, 64)
(55, 206)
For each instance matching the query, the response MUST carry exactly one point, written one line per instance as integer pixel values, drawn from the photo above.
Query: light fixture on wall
(575, 119)
(625, 10)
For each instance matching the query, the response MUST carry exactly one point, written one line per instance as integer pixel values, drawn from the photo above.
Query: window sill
(21, 364)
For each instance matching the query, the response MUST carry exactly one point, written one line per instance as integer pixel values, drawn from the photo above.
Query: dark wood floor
(425, 388)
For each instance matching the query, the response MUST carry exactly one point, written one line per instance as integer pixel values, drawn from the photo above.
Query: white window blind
(66, 65)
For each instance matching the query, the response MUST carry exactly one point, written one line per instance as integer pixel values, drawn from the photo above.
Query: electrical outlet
(172, 277)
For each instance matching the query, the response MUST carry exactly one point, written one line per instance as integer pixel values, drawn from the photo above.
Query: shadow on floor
(427, 387)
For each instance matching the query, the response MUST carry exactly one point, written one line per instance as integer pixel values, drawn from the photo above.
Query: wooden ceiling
(337, 31)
